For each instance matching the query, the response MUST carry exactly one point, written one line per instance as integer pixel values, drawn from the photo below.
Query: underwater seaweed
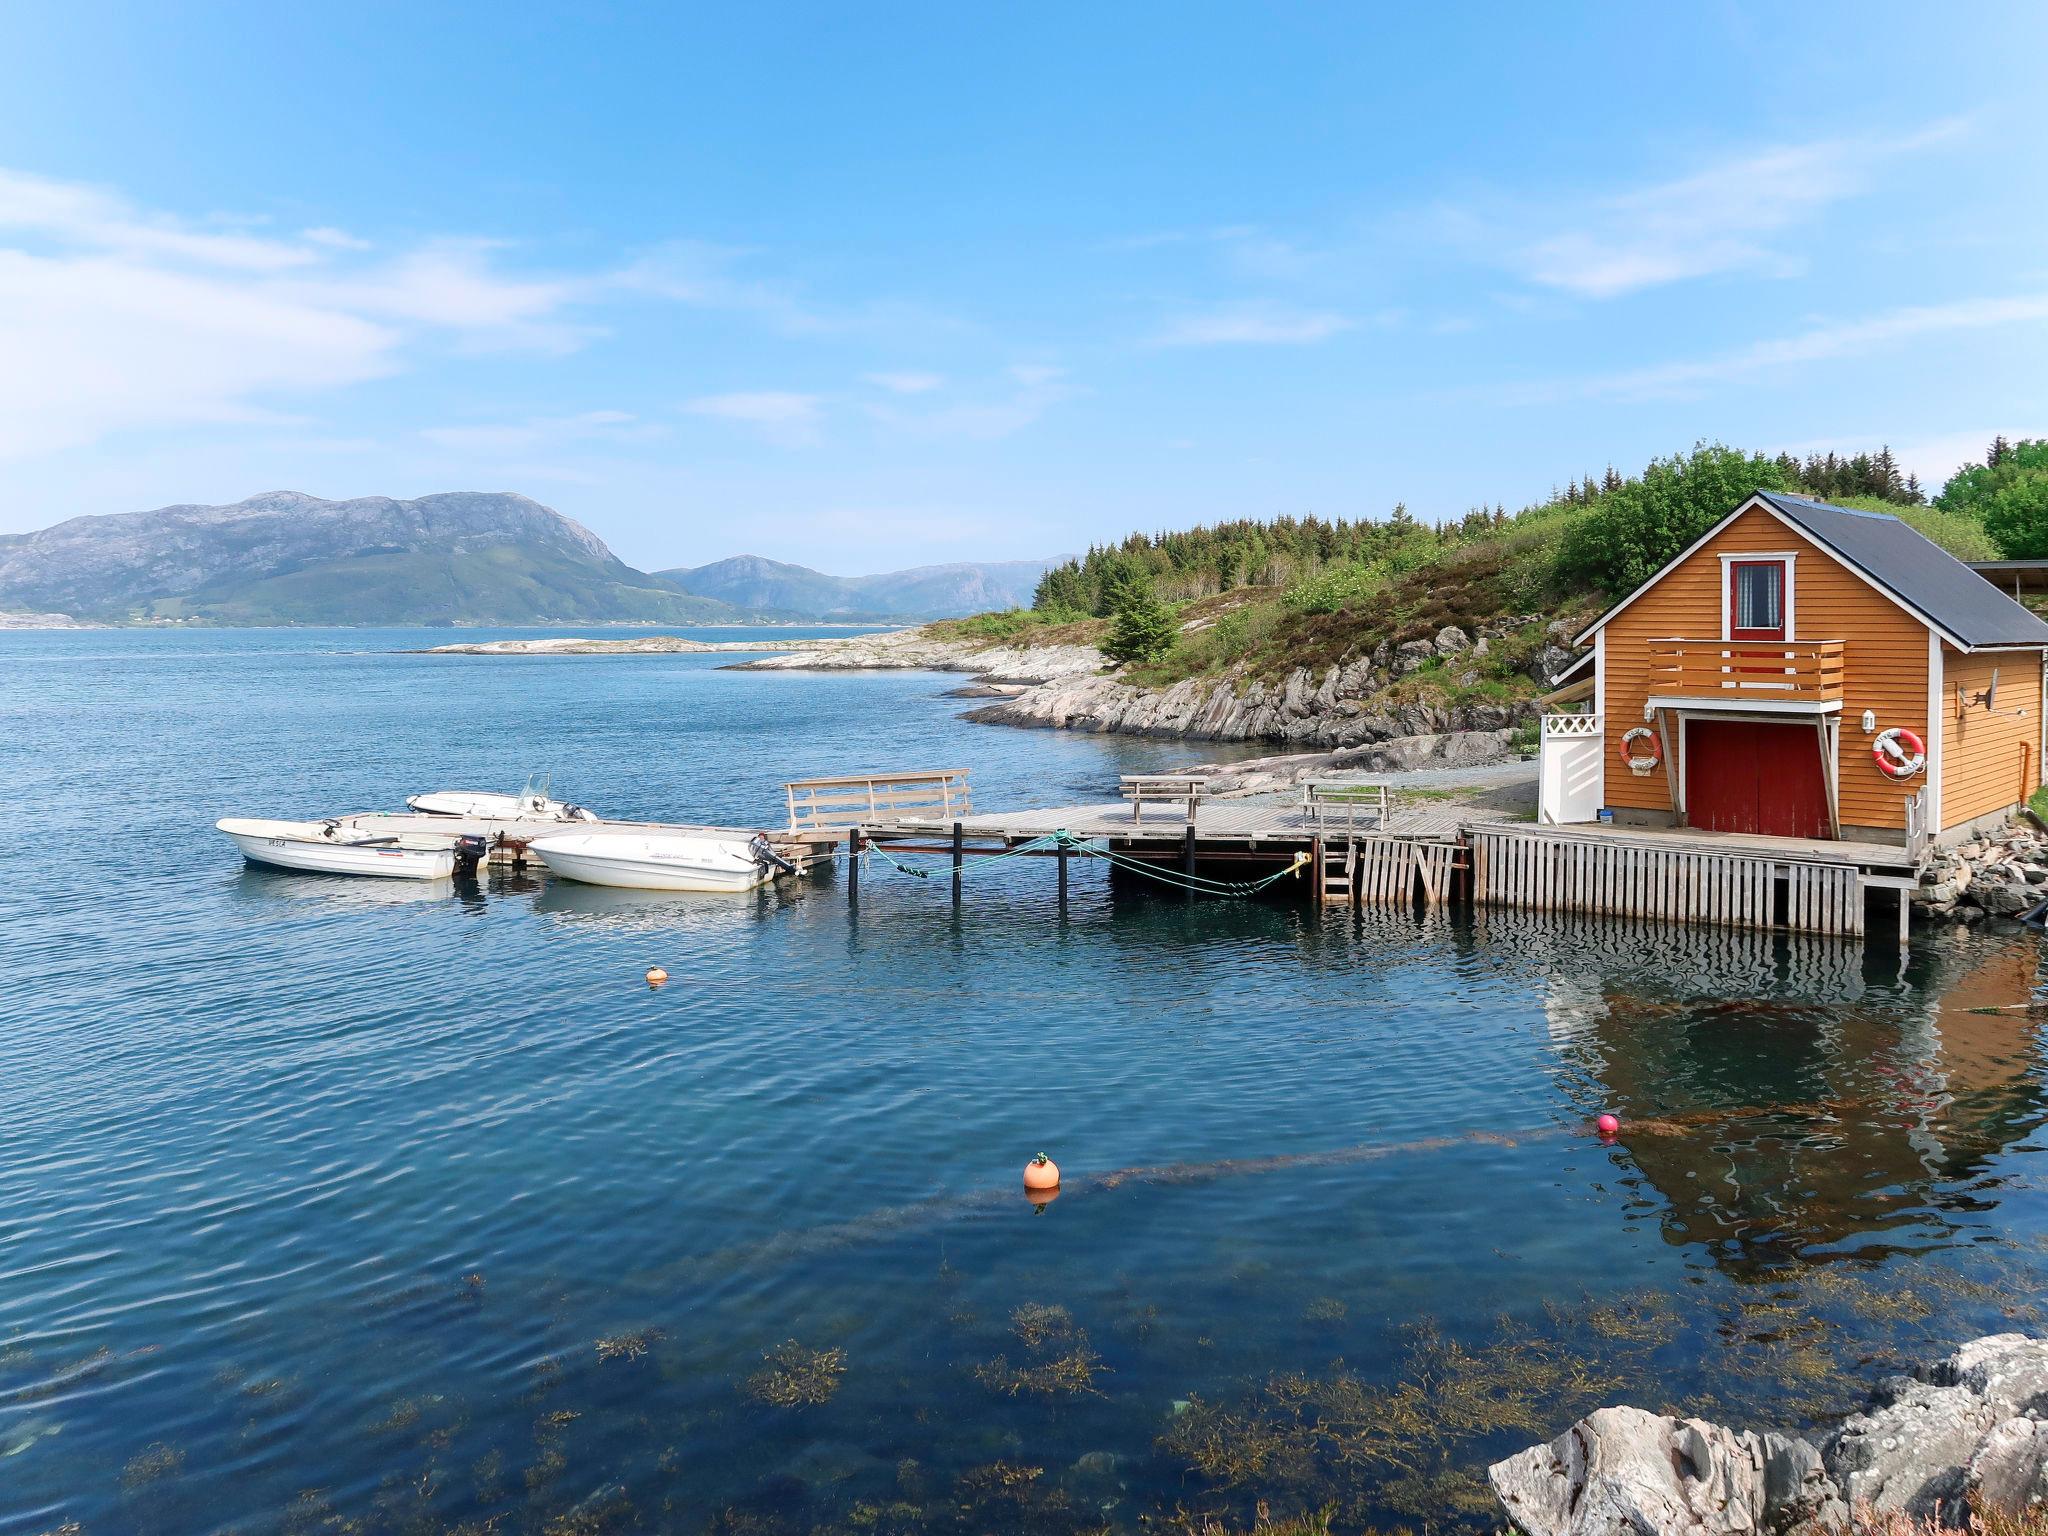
(796, 1377)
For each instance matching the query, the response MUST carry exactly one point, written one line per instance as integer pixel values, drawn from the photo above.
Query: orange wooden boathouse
(1805, 671)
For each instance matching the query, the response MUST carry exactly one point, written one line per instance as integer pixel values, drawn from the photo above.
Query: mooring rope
(1062, 840)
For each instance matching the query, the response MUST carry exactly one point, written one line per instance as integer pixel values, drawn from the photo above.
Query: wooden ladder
(1339, 871)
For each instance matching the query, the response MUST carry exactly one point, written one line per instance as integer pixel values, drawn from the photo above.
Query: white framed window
(1758, 595)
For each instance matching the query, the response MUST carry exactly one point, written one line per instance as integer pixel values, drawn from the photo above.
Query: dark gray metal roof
(1918, 571)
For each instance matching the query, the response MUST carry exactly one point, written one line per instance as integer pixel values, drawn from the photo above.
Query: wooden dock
(1410, 852)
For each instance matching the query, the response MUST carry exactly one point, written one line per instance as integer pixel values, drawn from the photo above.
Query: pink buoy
(1041, 1173)
(1608, 1125)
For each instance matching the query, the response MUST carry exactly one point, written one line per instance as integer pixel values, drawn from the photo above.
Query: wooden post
(1061, 859)
(1187, 858)
(1315, 857)
(852, 865)
(958, 834)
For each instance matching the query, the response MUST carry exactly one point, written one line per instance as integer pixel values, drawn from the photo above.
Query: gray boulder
(1968, 1425)
(1628, 1472)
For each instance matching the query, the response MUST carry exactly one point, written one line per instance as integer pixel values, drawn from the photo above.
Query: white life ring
(1640, 766)
(1899, 753)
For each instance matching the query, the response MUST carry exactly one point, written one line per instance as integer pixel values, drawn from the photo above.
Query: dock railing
(867, 798)
(1917, 830)
(1803, 671)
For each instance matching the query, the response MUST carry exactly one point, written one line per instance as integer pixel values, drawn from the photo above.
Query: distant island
(459, 558)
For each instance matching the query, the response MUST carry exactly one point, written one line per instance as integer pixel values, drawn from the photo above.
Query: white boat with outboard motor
(530, 804)
(331, 847)
(661, 861)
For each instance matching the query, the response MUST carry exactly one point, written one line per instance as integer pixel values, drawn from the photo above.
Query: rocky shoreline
(1357, 707)
(2001, 874)
(1968, 1434)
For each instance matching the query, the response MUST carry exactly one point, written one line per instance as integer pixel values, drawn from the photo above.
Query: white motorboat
(329, 848)
(530, 804)
(662, 861)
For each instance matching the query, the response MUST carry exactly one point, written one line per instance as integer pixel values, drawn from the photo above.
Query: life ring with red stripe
(1899, 753)
(1640, 765)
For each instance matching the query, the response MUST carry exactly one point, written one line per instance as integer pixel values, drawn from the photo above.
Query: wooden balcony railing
(1775, 671)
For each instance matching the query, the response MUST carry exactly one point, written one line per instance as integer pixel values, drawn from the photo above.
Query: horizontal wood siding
(1989, 757)
(1884, 660)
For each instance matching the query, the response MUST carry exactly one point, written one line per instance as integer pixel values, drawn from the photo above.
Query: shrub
(1341, 584)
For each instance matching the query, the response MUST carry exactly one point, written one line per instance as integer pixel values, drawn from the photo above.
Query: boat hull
(651, 864)
(285, 845)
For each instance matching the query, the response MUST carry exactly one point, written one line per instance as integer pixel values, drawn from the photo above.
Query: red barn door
(1748, 776)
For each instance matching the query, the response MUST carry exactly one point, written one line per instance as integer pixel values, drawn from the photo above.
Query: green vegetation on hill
(1254, 600)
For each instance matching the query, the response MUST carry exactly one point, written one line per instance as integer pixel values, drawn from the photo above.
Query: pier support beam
(1061, 859)
(959, 834)
(1187, 857)
(852, 865)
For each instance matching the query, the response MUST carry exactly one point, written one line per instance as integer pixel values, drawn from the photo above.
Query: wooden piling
(1061, 859)
(853, 866)
(959, 837)
(1187, 857)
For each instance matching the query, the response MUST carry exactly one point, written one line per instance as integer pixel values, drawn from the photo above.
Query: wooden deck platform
(1218, 820)
(1435, 852)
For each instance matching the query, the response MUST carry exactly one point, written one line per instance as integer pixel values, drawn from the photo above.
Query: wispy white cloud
(115, 318)
(762, 406)
(334, 239)
(785, 417)
(704, 275)
(1031, 390)
(494, 439)
(1719, 219)
(74, 215)
(1819, 343)
(1255, 323)
(906, 383)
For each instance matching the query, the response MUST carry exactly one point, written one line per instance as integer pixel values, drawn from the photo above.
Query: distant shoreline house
(1804, 670)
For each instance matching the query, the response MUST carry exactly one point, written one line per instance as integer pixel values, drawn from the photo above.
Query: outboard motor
(470, 852)
(766, 856)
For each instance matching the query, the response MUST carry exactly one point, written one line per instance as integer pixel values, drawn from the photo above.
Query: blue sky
(864, 287)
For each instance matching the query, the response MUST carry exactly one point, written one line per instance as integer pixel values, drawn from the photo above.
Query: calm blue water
(328, 1205)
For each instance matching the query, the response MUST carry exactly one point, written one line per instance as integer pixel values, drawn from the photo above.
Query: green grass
(2037, 802)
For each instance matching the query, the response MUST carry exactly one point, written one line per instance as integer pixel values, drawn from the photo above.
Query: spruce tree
(1141, 627)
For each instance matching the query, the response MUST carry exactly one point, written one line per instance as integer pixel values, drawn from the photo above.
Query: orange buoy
(1041, 1173)
(656, 976)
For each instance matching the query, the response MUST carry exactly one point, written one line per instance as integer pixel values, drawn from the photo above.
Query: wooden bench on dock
(867, 798)
(1346, 807)
(1184, 789)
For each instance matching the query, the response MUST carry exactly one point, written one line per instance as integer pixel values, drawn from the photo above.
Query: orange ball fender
(656, 976)
(1041, 1173)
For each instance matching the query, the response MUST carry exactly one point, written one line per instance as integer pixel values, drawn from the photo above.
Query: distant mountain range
(924, 592)
(464, 557)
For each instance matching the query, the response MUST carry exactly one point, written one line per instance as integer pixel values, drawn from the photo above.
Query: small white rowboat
(657, 862)
(478, 803)
(327, 848)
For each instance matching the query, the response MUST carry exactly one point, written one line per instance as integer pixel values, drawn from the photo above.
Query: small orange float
(656, 976)
(1041, 1173)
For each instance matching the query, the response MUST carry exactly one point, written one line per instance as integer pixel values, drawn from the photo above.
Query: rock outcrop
(1338, 706)
(1999, 875)
(1627, 1472)
(918, 650)
(1970, 1432)
(1071, 688)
